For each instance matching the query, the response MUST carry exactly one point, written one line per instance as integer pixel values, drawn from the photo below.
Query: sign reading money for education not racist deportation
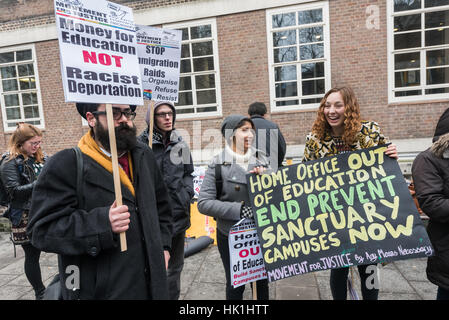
(350, 209)
(98, 50)
(159, 59)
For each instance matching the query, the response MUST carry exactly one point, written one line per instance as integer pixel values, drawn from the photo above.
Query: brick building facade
(284, 53)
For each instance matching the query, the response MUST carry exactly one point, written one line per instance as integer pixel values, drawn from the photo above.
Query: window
(199, 83)
(19, 88)
(298, 53)
(418, 49)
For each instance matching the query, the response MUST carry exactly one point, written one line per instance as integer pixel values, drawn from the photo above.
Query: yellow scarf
(89, 147)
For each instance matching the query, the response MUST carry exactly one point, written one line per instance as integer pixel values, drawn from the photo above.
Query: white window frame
(214, 40)
(7, 129)
(390, 47)
(324, 5)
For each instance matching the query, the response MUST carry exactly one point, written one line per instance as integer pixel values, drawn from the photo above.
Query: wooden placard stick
(115, 168)
(254, 284)
(150, 128)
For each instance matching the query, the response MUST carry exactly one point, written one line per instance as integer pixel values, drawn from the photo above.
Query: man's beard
(125, 137)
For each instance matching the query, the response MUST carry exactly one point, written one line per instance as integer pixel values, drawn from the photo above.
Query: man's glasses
(164, 114)
(117, 113)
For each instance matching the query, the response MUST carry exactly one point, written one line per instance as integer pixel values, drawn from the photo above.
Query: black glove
(246, 212)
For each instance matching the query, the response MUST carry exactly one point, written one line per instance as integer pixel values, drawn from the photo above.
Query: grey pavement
(203, 278)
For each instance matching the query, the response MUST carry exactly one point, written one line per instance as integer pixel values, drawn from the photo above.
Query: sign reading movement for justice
(98, 50)
(346, 210)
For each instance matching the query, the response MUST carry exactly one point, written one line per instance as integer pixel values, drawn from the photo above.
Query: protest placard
(350, 209)
(98, 50)
(159, 52)
(246, 262)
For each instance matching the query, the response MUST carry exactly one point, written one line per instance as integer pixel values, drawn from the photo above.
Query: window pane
(203, 64)
(312, 87)
(287, 103)
(202, 49)
(27, 83)
(185, 33)
(437, 19)
(185, 66)
(284, 38)
(205, 81)
(23, 55)
(185, 51)
(437, 37)
(29, 98)
(438, 75)
(26, 70)
(407, 78)
(313, 51)
(436, 3)
(11, 100)
(6, 57)
(406, 60)
(10, 85)
(403, 5)
(284, 20)
(201, 32)
(185, 99)
(404, 23)
(206, 109)
(185, 83)
(285, 73)
(408, 93)
(437, 57)
(285, 54)
(313, 100)
(12, 113)
(31, 112)
(407, 40)
(307, 35)
(312, 70)
(206, 97)
(310, 16)
(288, 89)
(8, 72)
(184, 111)
(437, 91)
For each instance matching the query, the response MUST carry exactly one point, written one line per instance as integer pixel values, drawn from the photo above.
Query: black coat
(83, 237)
(266, 132)
(175, 162)
(431, 178)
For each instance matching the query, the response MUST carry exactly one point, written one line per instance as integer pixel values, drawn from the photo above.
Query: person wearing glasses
(175, 161)
(19, 172)
(84, 231)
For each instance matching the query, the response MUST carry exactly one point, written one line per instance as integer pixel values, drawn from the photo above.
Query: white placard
(246, 261)
(159, 58)
(98, 50)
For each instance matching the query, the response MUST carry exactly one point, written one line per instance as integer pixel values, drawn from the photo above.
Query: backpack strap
(218, 180)
(79, 176)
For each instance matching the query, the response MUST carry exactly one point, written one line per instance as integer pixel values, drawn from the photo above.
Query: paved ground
(203, 279)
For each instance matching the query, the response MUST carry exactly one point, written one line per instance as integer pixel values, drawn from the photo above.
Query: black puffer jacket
(18, 183)
(431, 178)
(175, 162)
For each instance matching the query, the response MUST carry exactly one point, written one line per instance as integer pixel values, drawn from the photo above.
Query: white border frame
(390, 60)
(213, 23)
(324, 5)
(41, 126)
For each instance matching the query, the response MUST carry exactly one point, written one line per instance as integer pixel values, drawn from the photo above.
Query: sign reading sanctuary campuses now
(351, 209)
(159, 58)
(98, 49)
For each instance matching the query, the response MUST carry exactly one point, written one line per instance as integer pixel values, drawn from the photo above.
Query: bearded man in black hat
(175, 161)
(82, 222)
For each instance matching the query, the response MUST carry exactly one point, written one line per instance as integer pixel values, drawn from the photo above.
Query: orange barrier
(201, 225)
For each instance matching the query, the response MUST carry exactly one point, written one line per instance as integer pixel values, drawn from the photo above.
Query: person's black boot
(40, 294)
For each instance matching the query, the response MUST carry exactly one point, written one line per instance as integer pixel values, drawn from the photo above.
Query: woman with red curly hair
(338, 128)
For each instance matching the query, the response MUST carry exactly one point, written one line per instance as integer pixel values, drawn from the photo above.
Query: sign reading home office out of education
(346, 210)
(246, 262)
(159, 58)
(98, 50)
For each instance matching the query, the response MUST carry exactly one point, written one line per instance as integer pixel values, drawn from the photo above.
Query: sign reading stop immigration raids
(159, 53)
(245, 254)
(351, 209)
(98, 50)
